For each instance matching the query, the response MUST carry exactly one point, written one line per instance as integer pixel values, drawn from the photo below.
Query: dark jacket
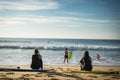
(86, 63)
(36, 62)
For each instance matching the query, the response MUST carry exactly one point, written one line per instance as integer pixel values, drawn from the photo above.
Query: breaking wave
(61, 47)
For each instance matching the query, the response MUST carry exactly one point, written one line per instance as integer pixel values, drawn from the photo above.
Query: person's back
(36, 60)
(34, 64)
(86, 62)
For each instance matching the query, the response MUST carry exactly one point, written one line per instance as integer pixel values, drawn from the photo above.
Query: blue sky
(83, 19)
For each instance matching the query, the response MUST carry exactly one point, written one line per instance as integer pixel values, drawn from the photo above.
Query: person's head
(36, 51)
(65, 48)
(97, 54)
(86, 54)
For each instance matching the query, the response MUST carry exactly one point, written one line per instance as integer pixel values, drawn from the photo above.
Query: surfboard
(70, 55)
(24, 70)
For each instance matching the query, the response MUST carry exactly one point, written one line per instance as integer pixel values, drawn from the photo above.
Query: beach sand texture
(63, 73)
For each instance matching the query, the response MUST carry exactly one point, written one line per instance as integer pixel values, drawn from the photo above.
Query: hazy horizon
(52, 38)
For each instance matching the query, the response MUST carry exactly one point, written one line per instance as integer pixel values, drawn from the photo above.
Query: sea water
(19, 51)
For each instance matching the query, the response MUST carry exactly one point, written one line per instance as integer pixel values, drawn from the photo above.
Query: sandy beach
(63, 73)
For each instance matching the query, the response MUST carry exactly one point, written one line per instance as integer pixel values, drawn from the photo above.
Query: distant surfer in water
(66, 55)
(98, 57)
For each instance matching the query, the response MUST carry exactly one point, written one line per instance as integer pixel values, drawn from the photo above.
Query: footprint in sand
(26, 75)
(54, 79)
(3, 75)
(6, 78)
(50, 76)
(110, 69)
(38, 75)
(92, 76)
(23, 78)
(68, 69)
(60, 69)
(10, 73)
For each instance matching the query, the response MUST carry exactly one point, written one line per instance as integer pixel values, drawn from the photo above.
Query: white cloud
(36, 20)
(51, 19)
(28, 5)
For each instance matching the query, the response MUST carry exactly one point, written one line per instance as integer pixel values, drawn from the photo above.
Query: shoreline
(62, 73)
(67, 65)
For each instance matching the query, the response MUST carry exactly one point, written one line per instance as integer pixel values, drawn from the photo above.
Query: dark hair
(36, 51)
(86, 54)
(65, 48)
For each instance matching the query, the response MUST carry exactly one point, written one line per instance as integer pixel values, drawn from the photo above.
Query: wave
(8, 41)
(60, 48)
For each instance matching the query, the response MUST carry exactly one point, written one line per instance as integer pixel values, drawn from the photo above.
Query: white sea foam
(19, 51)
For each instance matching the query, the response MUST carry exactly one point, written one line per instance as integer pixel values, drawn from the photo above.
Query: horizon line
(62, 38)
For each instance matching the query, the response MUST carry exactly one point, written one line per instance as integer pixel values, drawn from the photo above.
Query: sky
(81, 19)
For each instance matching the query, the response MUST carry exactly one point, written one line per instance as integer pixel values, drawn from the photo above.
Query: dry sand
(63, 73)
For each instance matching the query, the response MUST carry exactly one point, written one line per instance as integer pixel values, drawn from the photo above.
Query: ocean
(19, 51)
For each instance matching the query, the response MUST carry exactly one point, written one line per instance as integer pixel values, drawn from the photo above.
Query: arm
(32, 58)
(82, 61)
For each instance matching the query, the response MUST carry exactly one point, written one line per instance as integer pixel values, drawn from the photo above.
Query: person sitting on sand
(98, 57)
(36, 60)
(86, 62)
(66, 55)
